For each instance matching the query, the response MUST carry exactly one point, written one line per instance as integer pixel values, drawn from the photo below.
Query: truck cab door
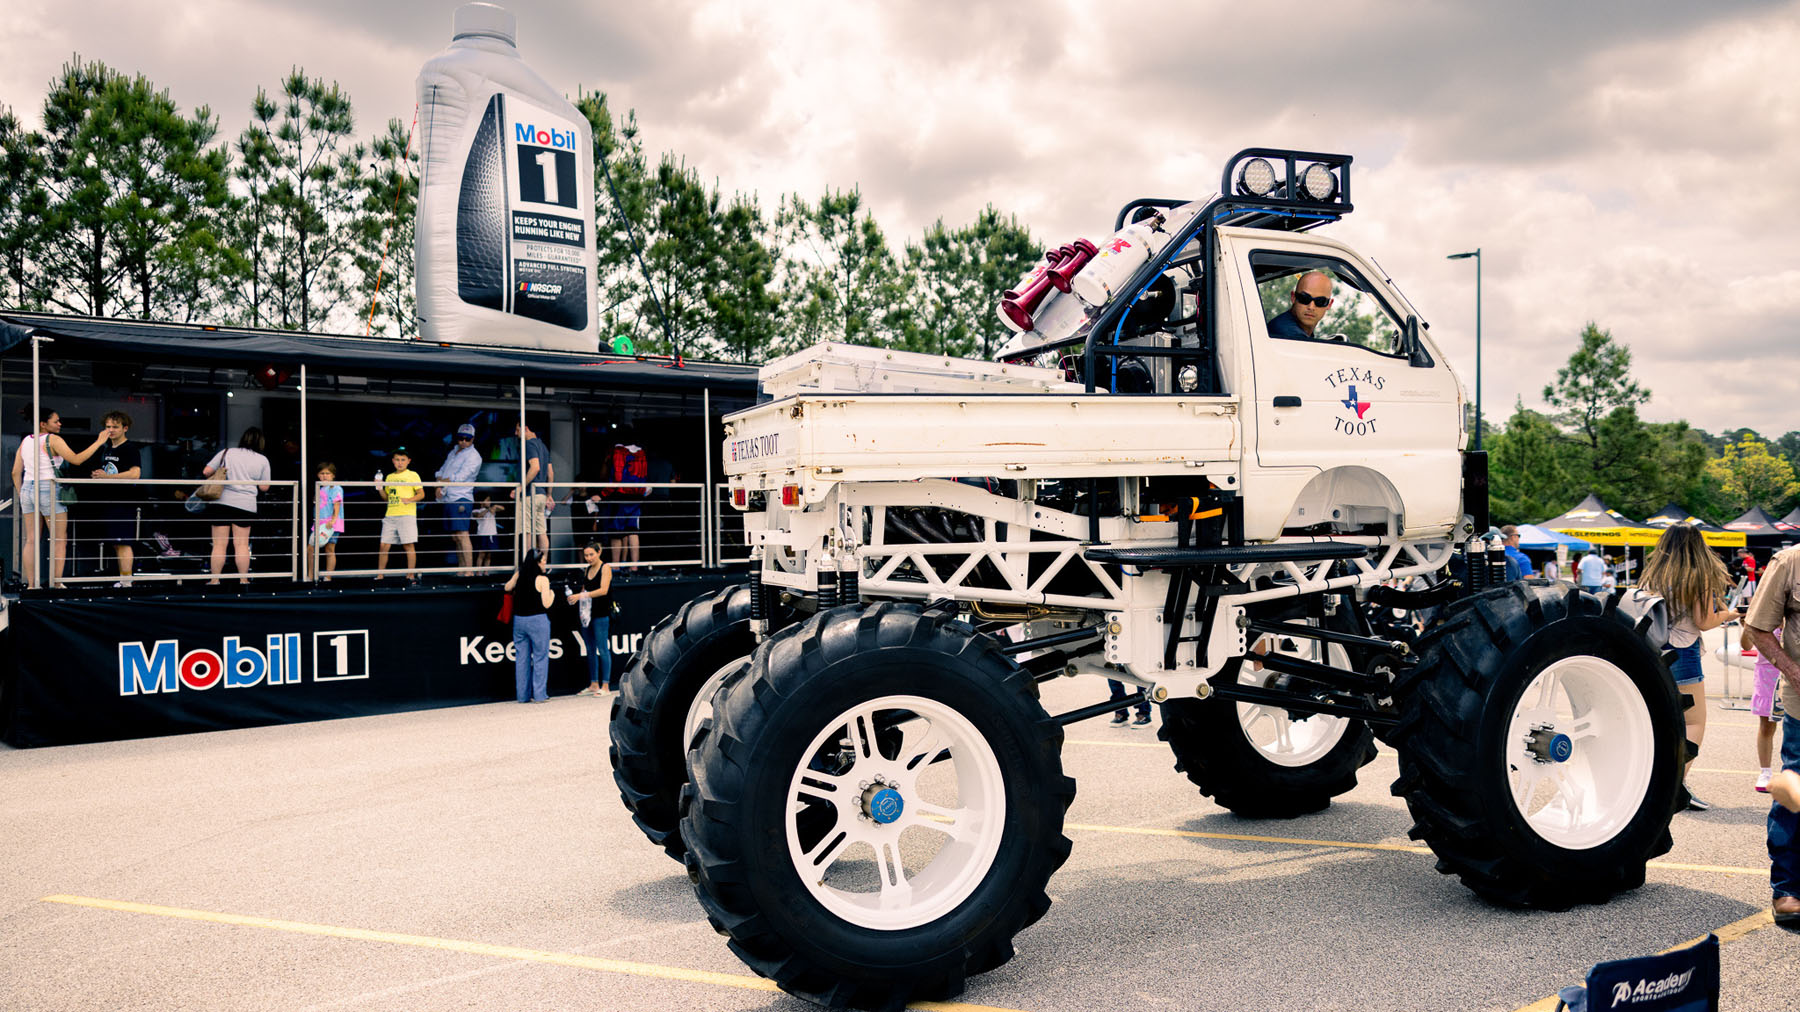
(1357, 416)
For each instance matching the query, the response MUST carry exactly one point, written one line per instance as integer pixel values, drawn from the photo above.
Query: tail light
(790, 495)
(740, 497)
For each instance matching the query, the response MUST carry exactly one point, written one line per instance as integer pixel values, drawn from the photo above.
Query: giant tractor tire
(1542, 746)
(876, 807)
(665, 694)
(1266, 762)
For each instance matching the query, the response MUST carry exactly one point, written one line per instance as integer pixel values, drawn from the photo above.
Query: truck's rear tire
(665, 690)
(1264, 762)
(1541, 746)
(876, 808)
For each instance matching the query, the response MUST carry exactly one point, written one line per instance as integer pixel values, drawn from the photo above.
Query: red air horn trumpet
(1060, 273)
(1018, 305)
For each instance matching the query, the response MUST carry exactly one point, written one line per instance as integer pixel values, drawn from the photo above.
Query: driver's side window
(1290, 285)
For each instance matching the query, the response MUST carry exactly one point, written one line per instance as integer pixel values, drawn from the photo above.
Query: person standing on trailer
(246, 473)
(403, 490)
(463, 464)
(118, 461)
(33, 470)
(538, 472)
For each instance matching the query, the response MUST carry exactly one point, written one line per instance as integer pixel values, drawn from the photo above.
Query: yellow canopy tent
(1717, 537)
(1593, 522)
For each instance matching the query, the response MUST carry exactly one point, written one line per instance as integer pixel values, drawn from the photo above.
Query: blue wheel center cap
(886, 805)
(1561, 748)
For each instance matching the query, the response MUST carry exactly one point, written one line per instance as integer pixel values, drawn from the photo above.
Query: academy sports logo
(1650, 990)
(1355, 385)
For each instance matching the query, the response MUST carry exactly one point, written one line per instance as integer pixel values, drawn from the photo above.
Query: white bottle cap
(484, 21)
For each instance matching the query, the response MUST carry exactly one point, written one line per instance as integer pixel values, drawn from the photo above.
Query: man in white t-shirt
(1592, 572)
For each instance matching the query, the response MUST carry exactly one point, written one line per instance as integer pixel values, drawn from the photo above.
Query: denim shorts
(1686, 667)
(36, 498)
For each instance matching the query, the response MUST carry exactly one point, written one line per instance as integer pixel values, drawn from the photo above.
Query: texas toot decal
(1356, 388)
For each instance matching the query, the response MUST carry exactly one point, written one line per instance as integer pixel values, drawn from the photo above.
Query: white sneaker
(1762, 780)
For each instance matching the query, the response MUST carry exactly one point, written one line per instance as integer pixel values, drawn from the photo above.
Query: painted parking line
(1079, 827)
(1727, 934)
(736, 980)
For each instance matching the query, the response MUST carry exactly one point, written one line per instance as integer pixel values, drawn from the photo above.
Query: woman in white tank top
(32, 476)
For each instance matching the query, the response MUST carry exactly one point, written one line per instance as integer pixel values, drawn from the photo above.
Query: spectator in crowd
(118, 461)
(328, 516)
(246, 473)
(400, 526)
(487, 529)
(1511, 535)
(33, 471)
(536, 473)
(1764, 704)
(1691, 579)
(1591, 571)
(462, 464)
(1747, 567)
(531, 597)
(1777, 608)
(593, 601)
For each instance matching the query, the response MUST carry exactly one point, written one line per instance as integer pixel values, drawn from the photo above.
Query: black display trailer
(110, 668)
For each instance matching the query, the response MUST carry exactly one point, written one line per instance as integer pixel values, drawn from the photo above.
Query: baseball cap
(398, 451)
(465, 429)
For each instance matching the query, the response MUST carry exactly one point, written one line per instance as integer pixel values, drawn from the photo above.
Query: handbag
(212, 489)
(504, 615)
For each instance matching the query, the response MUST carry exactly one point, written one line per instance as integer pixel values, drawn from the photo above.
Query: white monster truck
(1161, 482)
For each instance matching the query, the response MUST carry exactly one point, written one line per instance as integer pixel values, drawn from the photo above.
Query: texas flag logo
(1361, 407)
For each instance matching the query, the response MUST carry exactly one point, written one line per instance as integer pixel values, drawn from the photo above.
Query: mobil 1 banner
(113, 668)
(524, 240)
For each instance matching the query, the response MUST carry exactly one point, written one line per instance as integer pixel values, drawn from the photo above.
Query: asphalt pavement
(479, 858)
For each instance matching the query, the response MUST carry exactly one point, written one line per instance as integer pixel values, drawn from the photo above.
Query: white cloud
(1623, 162)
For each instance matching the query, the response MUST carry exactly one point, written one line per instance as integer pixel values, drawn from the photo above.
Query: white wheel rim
(701, 708)
(938, 846)
(1579, 752)
(1280, 738)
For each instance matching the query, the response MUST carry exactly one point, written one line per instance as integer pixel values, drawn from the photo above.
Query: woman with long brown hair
(1692, 581)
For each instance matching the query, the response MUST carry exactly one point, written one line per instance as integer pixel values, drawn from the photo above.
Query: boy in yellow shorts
(401, 525)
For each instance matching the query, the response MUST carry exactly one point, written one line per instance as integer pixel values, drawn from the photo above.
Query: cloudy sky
(1631, 163)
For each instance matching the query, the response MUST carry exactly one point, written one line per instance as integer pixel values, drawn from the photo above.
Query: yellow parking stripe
(1079, 827)
(737, 980)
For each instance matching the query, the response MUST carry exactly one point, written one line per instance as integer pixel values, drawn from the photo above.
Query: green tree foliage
(1526, 481)
(841, 281)
(315, 192)
(680, 267)
(1595, 383)
(129, 195)
(1749, 475)
(21, 211)
(953, 282)
(1541, 465)
(383, 250)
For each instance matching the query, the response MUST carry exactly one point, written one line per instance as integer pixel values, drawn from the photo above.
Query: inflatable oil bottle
(505, 249)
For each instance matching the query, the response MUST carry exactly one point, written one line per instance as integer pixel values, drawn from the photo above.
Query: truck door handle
(1287, 402)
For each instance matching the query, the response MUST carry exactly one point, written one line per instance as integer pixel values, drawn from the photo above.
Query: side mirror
(1416, 355)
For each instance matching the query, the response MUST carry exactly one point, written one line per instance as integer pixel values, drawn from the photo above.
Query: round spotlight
(1317, 182)
(1188, 378)
(1256, 178)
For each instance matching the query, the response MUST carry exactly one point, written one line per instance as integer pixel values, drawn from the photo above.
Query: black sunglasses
(1301, 298)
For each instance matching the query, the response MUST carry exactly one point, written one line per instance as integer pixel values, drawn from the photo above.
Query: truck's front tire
(1541, 746)
(876, 808)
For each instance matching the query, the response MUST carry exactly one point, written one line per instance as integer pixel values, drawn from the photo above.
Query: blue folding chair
(1681, 980)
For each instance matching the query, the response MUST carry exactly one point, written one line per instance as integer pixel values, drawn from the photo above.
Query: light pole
(1477, 256)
